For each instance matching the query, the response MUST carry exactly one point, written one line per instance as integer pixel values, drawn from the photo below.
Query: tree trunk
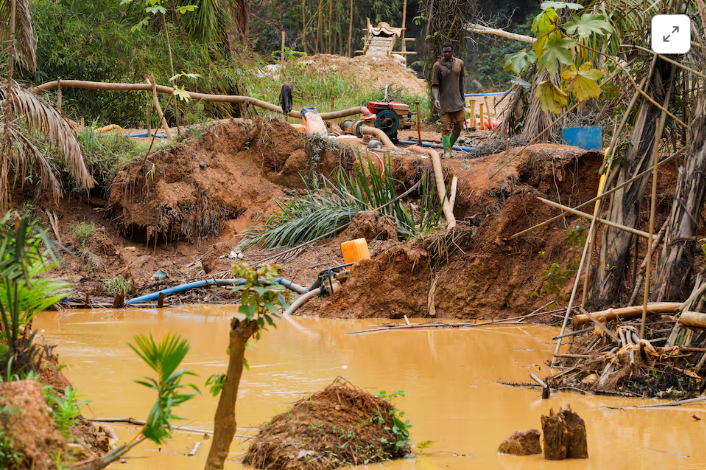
(304, 48)
(237, 33)
(5, 150)
(625, 204)
(676, 261)
(224, 421)
(318, 27)
(330, 26)
(350, 31)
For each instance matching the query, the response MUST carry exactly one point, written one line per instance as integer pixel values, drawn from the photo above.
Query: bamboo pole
(158, 108)
(482, 124)
(88, 85)
(350, 31)
(598, 219)
(640, 278)
(282, 53)
(606, 193)
(653, 202)
(419, 125)
(472, 107)
(576, 285)
(592, 237)
(304, 26)
(626, 312)
(404, 22)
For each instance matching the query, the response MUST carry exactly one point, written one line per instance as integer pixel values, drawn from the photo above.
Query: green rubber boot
(446, 141)
(454, 138)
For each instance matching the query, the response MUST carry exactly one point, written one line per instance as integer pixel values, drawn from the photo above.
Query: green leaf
(182, 93)
(248, 310)
(545, 22)
(560, 5)
(145, 21)
(261, 291)
(519, 61)
(557, 50)
(550, 96)
(588, 24)
(156, 9)
(583, 83)
(183, 9)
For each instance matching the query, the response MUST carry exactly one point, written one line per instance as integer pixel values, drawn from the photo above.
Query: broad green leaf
(138, 26)
(550, 96)
(182, 94)
(261, 291)
(248, 310)
(560, 5)
(557, 50)
(588, 24)
(582, 82)
(156, 9)
(545, 22)
(519, 61)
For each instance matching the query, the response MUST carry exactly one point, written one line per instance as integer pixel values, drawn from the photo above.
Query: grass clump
(106, 153)
(118, 285)
(83, 231)
(326, 206)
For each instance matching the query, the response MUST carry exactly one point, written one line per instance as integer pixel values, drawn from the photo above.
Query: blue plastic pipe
(192, 285)
(436, 146)
(467, 95)
(144, 134)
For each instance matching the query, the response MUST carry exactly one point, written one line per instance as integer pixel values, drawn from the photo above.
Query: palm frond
(48, 123)
(26, 155)
(208, 23)
(164, 358)
(327, 205)
(25, 37)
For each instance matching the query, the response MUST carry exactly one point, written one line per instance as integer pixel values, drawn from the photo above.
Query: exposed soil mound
(233, 170)
(375, 70)
(489, 274)
(391, 285)
(33, 440)
(371, 225)
(339, 426)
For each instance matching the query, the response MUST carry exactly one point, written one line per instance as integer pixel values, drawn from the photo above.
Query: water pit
(449, 377)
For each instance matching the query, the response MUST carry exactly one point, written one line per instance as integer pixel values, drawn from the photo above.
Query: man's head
(448, 50)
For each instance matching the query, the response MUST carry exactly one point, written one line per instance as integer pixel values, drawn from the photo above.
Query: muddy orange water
(449, 377)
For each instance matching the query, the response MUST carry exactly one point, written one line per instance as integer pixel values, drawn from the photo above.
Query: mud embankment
(486, 275)
(184, 208)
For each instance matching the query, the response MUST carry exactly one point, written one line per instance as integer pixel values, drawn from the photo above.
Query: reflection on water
(449, 377)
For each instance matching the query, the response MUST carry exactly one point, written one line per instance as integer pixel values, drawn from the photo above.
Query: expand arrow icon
(666, 38)
(675, 30)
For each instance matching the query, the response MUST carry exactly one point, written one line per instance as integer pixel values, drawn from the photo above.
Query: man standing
(449, 99)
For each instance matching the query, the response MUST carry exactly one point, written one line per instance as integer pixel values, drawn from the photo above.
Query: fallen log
(694, 319)
(626, 312)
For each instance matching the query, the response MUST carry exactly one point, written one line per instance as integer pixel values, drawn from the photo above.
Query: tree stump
(521, 443)
(564, 435)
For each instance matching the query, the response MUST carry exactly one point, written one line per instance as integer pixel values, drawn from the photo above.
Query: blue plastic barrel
(587, 138)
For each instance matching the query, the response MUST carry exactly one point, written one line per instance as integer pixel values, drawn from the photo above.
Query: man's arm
(460, 82)
(435, 84)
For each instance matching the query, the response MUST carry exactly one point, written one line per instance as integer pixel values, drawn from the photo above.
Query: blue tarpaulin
(588, 138)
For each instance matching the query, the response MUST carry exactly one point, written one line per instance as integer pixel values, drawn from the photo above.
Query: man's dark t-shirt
(448, 76)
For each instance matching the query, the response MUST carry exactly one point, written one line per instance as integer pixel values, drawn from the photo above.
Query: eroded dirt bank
(183, 210)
